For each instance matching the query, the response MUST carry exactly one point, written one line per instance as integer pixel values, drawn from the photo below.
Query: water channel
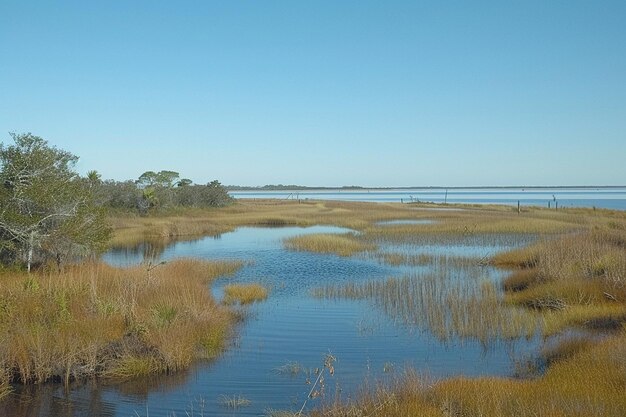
(283, 339)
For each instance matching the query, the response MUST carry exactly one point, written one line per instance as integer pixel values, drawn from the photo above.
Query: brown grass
(578, 279)
(361, 216)
(575, 276)
(93, 319)
(588, 382)
(244, 293)
(342, 245)
(447, 307)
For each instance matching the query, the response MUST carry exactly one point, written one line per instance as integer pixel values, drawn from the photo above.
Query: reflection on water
(290, 327)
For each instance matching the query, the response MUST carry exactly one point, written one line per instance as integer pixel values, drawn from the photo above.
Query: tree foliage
(47, 211)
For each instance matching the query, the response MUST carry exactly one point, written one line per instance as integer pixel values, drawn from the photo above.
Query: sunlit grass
(441, 303)
(244, 293)
(576, 280)
(96, 320)
(342, 245)
(589, 381)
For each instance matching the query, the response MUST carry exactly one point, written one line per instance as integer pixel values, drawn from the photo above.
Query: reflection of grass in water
(409, 258)
(234, 401)
(270, 412)
(588, 381)
(445, 304)
(576, 280)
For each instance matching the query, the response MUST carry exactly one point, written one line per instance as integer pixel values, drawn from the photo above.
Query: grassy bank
(589, 383)
(96, 320)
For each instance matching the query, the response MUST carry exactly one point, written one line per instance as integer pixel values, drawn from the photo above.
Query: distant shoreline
(359, 188)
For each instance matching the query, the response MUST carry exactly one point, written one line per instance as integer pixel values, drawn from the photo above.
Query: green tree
(47, 210)
(157, 189)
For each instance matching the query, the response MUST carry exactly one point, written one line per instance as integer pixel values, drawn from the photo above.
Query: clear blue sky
(378, 93)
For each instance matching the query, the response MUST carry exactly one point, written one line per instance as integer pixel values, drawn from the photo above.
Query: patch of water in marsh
(290, 327)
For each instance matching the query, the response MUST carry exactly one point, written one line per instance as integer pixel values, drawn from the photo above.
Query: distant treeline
(48, 212)
(155, 191)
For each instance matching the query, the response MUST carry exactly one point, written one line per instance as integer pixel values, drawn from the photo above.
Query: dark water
(291, 326)
(609, 198)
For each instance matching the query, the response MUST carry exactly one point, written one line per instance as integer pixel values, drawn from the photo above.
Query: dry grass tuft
(244, 293)
(342, 245)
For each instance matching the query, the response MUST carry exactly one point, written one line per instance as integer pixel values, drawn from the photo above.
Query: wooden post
(518, 210)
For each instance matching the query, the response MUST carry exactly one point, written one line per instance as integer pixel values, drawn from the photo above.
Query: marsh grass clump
(95, 320)
(342, 245)
(443, 304)
(575, 280)
(409, 259)
(244, 293)
(291, 368)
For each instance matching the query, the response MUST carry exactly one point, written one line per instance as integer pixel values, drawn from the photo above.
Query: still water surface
(606, 197)
(291, 326)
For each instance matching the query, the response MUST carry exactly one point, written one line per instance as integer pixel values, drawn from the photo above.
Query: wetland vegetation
(563, 282)
(487, 274)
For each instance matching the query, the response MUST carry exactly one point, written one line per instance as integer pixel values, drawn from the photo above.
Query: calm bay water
(291, 326)
(609, 198)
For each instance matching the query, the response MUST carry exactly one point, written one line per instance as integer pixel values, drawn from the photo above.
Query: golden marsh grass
(93, 319)
(342, 245)
(572, 278)
(443, 304)
(588, 382)
(162, 320)
(244, 293)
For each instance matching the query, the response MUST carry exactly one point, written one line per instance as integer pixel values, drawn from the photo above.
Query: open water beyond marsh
(613, 198)
(283, 339)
